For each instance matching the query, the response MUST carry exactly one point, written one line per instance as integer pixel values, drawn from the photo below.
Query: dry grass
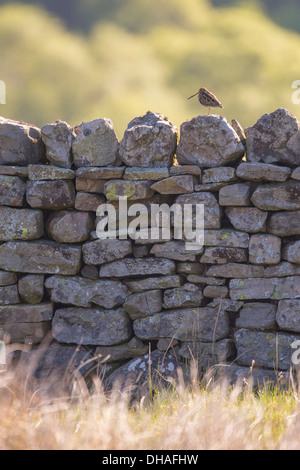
(185, 418)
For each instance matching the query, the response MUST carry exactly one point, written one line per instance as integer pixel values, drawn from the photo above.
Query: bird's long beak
(193, 95)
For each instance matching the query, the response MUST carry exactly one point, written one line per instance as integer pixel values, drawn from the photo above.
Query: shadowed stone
(296, 174)
(284, 224)
(105, 251)
(162, 282)
(291, 252)
(137, 267)
(277, 196)
(52, 195)
(143, 304)
(235, 195)
(247, 219)
(58, 138)
(90, 186)
(31, 288)
(180, 184)
(7, 279)
(12, 191)
(70, 226)
(182, 298)
(9, 295)
(257, 316)
(175, 250)
(288, 315)
(283, 269)
(121, 352)
(88, 202)
(98, 173)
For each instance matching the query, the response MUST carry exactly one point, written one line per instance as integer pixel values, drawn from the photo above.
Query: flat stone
(49, 172)
(20, 143)
(273, 139)
(101, 173)
(270, 350)
(212, 211)
(226, 237)
(277, 196)
(215, 292)
(182, 298)
(187, 324)
(12, 191)
(143, 304)
(222, 174)
(105, 251)
(257, 172)
(52, 195)
(151, 174)
(257, 316)
(262, 288)
(264, 249)
(222, 255)
(58, 138)
(95, 144)
(208, 141)
(181, 184)
(288, 315)
(185, 170)
(31, 288)
(20, 224)
(232, 270)
(283, 269)
(167, 344)
(198, 351)
(7, 279)
(90, 272)
(9, 295)
(210, 186)
(175, 250)
(186, 267)
(213, 281)
(149, 141)
(88, 202)
(232, 306)
(70, 226)
(133, 190)
(84, 292)
(235, 195)
(90, 186)
(291, 252)
(40, 257)
(247, 219)
(161, 282)
(284, 224)
(14, 171)
(137, 267)
(91, 326)
(121, 352)
(295, 175)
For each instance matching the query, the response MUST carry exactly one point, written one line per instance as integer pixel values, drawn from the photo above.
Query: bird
(207, 99)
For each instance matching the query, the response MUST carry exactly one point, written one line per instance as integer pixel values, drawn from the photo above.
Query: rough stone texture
(257, 316)
(137, 267)
(175, 250)
(133, 190)
(259, 288)
(90, 185)
(40, 257)
(52, 195)
(143, 304)
(161, 282)
(14, 171)
(274, 139)
(296, 174)
(152, 174)
(70, 226)
(20, 143)
(149, 141)
(212, 211)
(284, 224)
(215, 292)
(231, 270)
(182, 298)
(223, 174)
(226, 237)
(95, 144)
(121, 352)
(88, 202)
(247, 219)
(263, 172)
(9, 295)
(185, 170)
(283, 269)
(181, 184)
(98, 327)
(291, 252)
(7, 279)
(220, 351)
(288, 315)
(12, 191)
(20, 224)
(58, 138)
(31, 288)
(196, 279)
(208, 141)
(222, 255)
(235, 195)
(101, 173)
(84, 292)
(264, 249)
(105, 251)
(49, 172)
(277, 196)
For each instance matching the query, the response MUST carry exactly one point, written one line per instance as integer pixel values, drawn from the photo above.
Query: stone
(90, 186)
(222, 255)
(295, 175)
(90, 272)
(288, 315)
(239, 130)
(232, 270)
(150, 283)
(247, 219)
(182, 298)
(95, 144)
(137, 267)
(270, 350)
(212, 211)
(52, 195)
(9, 295)
(88, 202)
(208, 141)
(143, 304)
(185, 267)
(262, 288)
(175, 250)
(257, 172)
(70, 226)
(257, 316)
(181, 184)
(264, 249)
(20, 143)
(40, 257)
(132, 190)
(167, 344)
(31, 288)
(185, 170)
(213, 187)
(49, 172)
(284, 224)
(232, 306)
(200, 352)
(271, 139)
(105, 251)
(91, 326)
(84, 292)
(141, 251)
(151, 174)
(277, 196)
(235, 195)
(185, 324)
(121, 352)
(101, 173)
(20, 224)
(12, 190)
(291, 252)
(283, 269)
(149, 141)
(226, 237)
(215, 292)
(14, 171)
(58, 138)
(7, 279)
(196, 279)
(257, 377)
(222, 174)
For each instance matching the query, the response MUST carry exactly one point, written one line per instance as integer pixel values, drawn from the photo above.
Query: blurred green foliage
(144, 55)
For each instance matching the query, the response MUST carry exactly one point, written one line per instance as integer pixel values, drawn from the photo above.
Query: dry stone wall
(234, 301)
